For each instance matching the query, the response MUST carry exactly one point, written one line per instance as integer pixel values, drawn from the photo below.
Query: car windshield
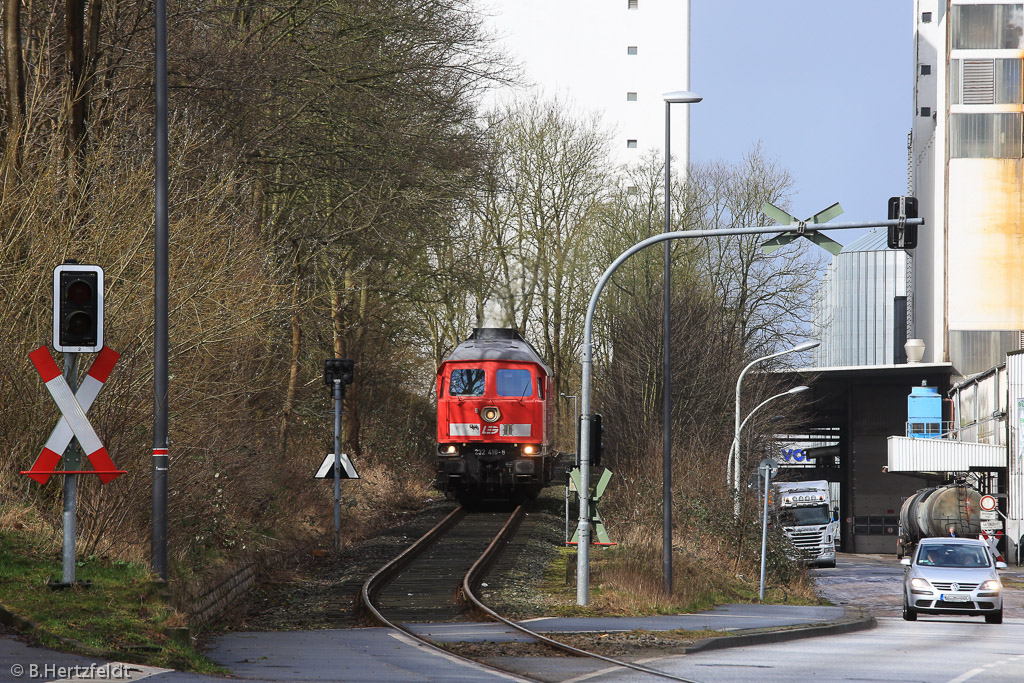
(952, 555)
(810, 514)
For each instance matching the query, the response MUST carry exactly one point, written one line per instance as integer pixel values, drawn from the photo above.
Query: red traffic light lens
(79, 292)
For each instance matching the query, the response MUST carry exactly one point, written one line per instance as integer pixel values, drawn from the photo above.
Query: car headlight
(919, 583)
(990, 585)
(490, 414)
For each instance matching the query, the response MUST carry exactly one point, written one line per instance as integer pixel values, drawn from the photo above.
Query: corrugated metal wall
(1015, 470)
(855, 306)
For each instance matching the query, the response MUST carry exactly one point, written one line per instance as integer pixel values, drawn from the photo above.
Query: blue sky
(825, 86)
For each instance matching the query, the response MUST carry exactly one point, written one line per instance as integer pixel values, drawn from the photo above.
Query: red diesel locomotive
(494, 419)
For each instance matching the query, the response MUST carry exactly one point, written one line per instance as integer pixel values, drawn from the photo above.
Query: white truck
(804, 510)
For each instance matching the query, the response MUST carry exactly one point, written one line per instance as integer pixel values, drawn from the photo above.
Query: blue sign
(795, 455)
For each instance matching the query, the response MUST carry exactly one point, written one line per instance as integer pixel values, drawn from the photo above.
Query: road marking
(113, 671)
(970, 674)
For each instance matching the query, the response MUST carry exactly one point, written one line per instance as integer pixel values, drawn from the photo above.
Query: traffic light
(339, 368)
(902, 237)
(77, 308)
(596, 444)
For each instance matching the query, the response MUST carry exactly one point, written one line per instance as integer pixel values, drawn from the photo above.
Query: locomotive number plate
(515, 430)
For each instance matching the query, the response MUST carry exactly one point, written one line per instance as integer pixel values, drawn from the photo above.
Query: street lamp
(677, 97)
(764, 519)
(734, 450)
(736, 439)
(794, 390)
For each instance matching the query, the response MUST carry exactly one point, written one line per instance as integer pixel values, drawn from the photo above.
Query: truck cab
(805, 513)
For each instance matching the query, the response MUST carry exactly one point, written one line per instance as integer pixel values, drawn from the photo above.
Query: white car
(953, 576)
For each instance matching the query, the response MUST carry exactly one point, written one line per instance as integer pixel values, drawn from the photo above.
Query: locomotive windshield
(514, 382)
(466, 382)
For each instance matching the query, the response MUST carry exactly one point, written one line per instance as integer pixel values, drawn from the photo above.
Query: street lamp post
(677, 97)
(734, 450)
(587, 361)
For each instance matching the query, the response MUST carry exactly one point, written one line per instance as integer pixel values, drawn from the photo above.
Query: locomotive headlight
(452, 449)
(490, 414)
(530, 450)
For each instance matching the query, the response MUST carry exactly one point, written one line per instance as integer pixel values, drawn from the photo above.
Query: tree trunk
(15, 77)
(74, 51)
(293, 374)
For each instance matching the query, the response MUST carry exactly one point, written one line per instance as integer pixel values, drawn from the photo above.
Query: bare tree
(543, 220)
(766, 297)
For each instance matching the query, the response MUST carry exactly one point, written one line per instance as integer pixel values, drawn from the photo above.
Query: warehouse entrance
(851, 413)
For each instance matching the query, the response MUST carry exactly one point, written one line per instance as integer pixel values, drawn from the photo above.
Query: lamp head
(805, 346)
(681, 96)
(797, 390)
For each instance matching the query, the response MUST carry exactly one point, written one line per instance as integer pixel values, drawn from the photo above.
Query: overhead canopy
(942, 455)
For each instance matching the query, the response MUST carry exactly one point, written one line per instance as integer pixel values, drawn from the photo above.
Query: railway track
(436, 579)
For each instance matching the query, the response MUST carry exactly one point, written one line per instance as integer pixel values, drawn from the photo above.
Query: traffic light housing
(339, 368)
(902, 237)
(596, 444)
(77, 308)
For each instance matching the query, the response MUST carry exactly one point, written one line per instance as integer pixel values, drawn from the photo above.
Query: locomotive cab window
(466, 382)
(514, 382)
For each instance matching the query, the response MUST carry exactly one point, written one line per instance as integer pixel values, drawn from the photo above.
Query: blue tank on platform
(924, 413)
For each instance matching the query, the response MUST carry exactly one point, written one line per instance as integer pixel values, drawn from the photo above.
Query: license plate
(955, 598)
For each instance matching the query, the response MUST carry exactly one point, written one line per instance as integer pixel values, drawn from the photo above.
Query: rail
(475, 575)
(467, 594)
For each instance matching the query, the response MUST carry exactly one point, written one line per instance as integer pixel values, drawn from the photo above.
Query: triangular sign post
(326, 470)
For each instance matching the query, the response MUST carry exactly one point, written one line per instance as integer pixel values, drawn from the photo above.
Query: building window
(631, 4)
(631, 50)
(979, 27)
(926, 111)
(926, 17)
(630, 144)
(985, 136)
(631, 97)
(926, 69)
(985, 81)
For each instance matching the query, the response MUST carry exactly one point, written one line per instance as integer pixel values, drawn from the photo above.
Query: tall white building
(969, 177)
(615, 57)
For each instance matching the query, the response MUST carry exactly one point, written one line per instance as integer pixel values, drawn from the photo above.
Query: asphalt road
(934, 648)
(938, 649)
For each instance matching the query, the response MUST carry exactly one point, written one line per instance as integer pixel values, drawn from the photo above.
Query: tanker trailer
(950, 510)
